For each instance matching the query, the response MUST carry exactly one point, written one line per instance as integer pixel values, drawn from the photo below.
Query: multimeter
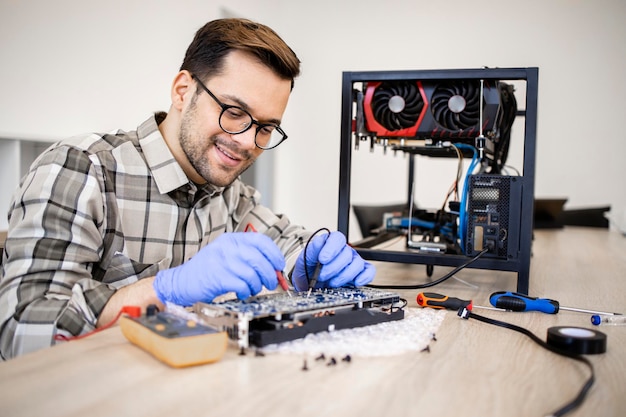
(174, 340)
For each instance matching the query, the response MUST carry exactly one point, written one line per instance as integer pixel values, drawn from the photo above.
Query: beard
(196, 150)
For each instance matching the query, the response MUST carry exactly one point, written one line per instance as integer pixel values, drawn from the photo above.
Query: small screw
(304, 366)
(426, 349)
(320, 357)
(332, 362)
(347, 358)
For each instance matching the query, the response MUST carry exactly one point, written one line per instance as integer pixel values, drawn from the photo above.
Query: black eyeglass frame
(253, 121)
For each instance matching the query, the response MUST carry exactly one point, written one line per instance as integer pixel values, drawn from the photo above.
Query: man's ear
(182, 89)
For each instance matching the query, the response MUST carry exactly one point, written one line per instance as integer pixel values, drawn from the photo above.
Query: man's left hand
(341, 265)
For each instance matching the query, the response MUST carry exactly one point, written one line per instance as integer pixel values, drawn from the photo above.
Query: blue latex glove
(341, 264)
(240, 262)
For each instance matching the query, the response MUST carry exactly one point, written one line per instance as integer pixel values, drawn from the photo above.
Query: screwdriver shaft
(582, 310)
(488, 308)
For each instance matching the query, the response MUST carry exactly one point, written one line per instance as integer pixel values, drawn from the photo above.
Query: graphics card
(398, 112)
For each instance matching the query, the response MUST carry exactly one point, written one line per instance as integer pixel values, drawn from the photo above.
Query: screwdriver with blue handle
(519, 302)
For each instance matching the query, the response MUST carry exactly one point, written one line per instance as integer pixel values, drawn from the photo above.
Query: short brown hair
(212, 42)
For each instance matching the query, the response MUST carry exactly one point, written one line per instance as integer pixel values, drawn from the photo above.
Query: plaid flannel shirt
(99, 212)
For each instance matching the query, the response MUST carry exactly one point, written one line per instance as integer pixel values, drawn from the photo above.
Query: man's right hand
(243, 263)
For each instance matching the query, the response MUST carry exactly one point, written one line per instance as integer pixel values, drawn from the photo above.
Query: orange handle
(434, 300)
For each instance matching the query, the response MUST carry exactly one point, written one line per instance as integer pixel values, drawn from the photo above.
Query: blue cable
(464, 192)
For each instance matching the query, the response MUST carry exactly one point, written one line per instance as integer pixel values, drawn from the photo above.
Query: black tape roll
(577, 340)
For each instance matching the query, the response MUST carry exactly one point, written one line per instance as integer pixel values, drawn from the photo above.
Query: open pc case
(453, 113)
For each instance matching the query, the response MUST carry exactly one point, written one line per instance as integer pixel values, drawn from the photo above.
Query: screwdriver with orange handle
(434, 300)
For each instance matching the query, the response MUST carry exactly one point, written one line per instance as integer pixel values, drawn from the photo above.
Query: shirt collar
(167, 173)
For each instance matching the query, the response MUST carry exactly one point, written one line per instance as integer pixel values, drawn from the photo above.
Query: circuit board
(280, 317)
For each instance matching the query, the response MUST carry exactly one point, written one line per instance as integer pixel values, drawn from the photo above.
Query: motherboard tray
(278, 317)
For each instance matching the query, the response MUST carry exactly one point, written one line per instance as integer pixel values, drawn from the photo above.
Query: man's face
(216, 156)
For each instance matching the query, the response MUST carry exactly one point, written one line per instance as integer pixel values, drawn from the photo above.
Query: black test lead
(316, 275)
(466, 314)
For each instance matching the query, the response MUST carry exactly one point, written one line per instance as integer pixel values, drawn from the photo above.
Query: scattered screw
(332, 362)
(320, 357)
(426, 349)
(304, 366)
(346, 358)
(242, 352)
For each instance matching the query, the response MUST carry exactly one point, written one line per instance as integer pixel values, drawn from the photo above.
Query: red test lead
(283, 282)
(279, 274)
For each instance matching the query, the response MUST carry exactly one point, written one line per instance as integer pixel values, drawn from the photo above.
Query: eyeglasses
(235, 120)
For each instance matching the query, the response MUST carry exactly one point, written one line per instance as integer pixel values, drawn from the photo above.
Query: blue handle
(519, 302)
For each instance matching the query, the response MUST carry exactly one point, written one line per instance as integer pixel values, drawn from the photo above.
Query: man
(157, 215)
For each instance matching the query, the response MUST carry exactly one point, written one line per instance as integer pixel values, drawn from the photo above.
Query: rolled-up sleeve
(55, 238)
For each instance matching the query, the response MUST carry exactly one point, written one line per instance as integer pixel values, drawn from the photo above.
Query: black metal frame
(519, 264)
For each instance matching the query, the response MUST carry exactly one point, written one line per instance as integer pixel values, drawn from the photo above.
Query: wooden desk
(473, 369)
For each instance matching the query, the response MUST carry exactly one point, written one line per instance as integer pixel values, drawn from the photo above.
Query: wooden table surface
(473, 369)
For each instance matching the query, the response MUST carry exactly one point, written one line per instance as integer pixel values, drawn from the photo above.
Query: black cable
(430, 284)
(404, 304)
(393, 308)
(578, 400)
(509, 112)
(306, 268)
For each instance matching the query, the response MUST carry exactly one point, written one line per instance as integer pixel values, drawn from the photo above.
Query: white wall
(71, 65)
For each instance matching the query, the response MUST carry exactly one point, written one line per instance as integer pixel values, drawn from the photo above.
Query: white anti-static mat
(411, 334)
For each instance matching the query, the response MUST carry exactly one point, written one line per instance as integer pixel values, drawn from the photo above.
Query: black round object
(397, 105)
(578, 340)
(456, 104)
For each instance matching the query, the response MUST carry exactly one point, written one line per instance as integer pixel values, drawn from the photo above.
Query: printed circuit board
(279, 317)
